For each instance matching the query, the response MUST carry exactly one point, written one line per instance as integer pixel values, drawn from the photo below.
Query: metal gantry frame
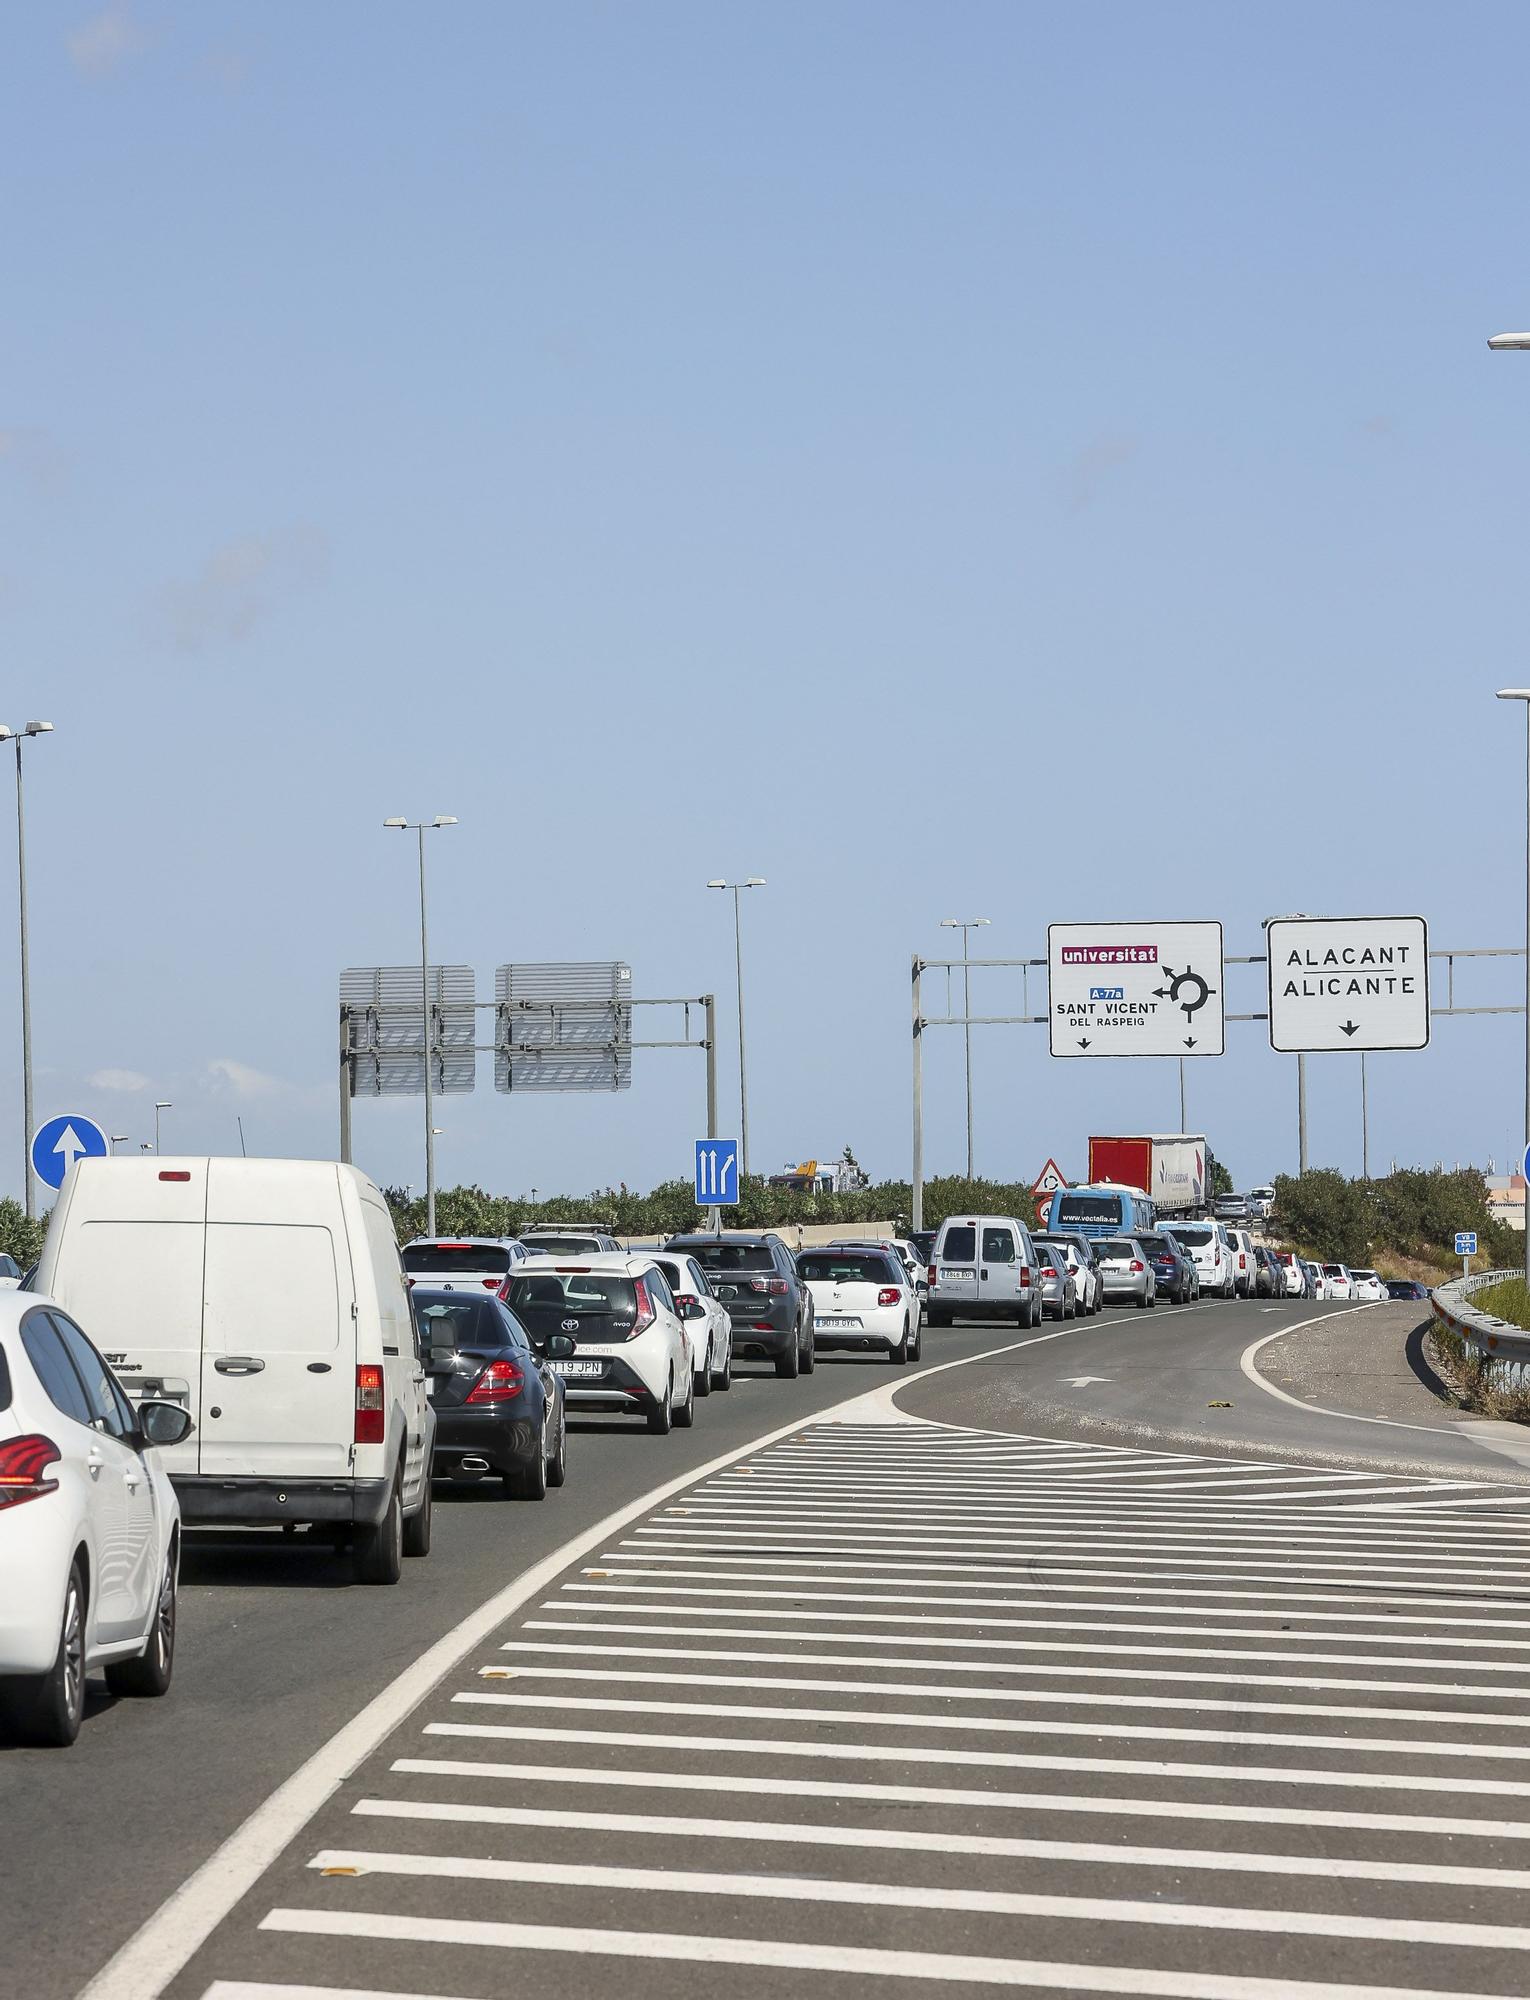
(555, 1010)
(922, 1021)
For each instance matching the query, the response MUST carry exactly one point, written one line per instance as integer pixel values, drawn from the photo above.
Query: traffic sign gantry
(58, 1144)
(717, 1173)
(1348, 983)
(1135, 989)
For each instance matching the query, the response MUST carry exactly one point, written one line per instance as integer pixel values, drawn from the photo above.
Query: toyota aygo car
(630, 1347)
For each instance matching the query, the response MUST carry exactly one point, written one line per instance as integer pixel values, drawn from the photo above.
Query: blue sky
(949, 460)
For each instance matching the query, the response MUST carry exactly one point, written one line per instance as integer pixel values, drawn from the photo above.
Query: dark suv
(755, 1277)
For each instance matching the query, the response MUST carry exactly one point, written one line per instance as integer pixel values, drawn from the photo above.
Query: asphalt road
(1044, 1671)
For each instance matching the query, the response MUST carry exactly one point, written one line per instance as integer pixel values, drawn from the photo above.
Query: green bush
(22, 1239)
(1413, 1213)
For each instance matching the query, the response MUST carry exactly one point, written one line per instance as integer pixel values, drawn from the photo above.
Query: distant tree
(1218, 1179)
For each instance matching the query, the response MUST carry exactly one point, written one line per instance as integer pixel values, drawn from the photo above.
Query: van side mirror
(560, 1346)
(163, 1423)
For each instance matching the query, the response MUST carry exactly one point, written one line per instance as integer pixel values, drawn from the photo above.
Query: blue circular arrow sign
(58, 1144)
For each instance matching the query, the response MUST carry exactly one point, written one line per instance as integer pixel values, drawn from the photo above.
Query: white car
(1367, 1287)
(863, 1298)
(1261, 1201)
(10, 1273)
(462, 1263)
(1088, 1285)
(1292, 1275)
(632, 1352)
(1245, 1264)
(918, 1273)
(1210, 1249)
(90, 1535)
(708, 1323)
(1337, 1282)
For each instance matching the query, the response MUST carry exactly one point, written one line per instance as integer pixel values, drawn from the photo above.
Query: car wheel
(1027, 1314)
(661, 1415)
(557, 1465)
(377, 1553)
(528, 1482)
(917, 1349)
(49, 1711)
(703, 1377)
(685, 1416)
(150, 1673)
(898, 1355)
(417, 1527)
(810, 1352)
(787, 1364)
(1142, 1303)
(725, 1379)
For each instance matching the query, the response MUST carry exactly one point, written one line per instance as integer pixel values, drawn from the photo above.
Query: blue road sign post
(1466, 1249)
(717, 1173)
(58, 1144)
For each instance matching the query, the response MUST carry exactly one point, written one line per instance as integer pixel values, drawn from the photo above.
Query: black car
(756, 1278)
(923, 1241)
(499, 1407)
(1173, 1273)
(1406, 1288)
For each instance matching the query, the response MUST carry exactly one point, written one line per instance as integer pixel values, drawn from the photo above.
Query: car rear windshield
(847, 1267)
(733, 1256)
(1115, 1246)
(1195, 1239)
(1333, 1270)
(1366, 1275)
(457, 1319)
(445, 1260)
(563, 1246)
(1085, 1208)
(960, 1246)
(534, 1298)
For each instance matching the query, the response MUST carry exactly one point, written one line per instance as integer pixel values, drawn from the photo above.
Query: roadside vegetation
(1403, 1225)
(1509, 1300)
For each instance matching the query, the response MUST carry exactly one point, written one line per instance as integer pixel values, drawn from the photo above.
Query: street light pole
(163, 1105)
(752, 882)
(29, 1182)
(422, 827)
(1523, 694)
(1365, 1124)
(966, 925)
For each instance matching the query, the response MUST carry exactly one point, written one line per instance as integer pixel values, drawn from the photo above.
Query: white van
(267, 1297)
(983, 1267)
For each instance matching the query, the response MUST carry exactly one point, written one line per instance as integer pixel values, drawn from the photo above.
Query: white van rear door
(998, 1264)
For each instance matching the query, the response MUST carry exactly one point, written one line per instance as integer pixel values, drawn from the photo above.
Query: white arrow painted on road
(1083, 1381)
(70, 1147)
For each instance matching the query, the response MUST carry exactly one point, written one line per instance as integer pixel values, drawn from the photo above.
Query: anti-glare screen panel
(386, 1039)
(563, 1027)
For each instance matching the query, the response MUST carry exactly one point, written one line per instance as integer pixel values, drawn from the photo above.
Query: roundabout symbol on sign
(1200, 990)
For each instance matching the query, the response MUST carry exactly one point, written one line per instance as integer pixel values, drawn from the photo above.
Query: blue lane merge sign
(58, 1144)
(717, 1173)
(1466, 1242)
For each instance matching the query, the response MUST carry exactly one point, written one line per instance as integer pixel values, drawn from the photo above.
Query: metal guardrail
(1501, 1347)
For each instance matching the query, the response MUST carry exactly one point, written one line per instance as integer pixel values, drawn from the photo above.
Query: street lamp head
(164, 1104)
(444, 819)
(1506, 343)
(399, 823)
(38, 729)
(120, 1138)
(755, 882)
(717, 885)
(1514, 694)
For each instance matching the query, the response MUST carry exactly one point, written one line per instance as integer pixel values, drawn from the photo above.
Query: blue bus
(1102, 1210)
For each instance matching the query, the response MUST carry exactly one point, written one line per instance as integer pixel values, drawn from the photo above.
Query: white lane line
(902, 1895)
(1430, 1825)
(1110, 1698)
(1009, 1760)
(1364, 1746)
(566, 1601)
(772, 1835)
(930, 1966)
(828, 1549)
(154, 1955)
(1328, 1684)
(1082, 1596)
(1246, 1364)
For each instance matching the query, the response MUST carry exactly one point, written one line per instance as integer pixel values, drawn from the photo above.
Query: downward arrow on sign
(70, 1147)
(1349, 1027)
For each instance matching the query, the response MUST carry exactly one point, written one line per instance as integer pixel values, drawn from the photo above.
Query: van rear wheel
(378, 1551)
(417, 1527)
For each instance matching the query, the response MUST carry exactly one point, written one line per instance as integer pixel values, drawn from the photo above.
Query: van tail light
(371, 1426)
(175, 1174)
(646, 1315)
(499, 1383)
(1137, 1268)
(1025, 1274)
(889, 1296)
(930, 1275)
(24, 1463)
(777, 1287)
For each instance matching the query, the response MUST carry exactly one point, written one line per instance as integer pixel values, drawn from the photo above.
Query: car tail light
(646, 1315)
(24, 1462)
(1136, 1268)
(500, 1381)
(370, 1415)
(889, 1296)
(1025, 1274)
(491, 1284)
(777, 1287)
(761, 1326)
(1048, 1271)
(930, 1275)
(410, 1283)
(684, 1299)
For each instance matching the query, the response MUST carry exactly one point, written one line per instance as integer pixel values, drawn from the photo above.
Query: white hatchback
(1210, 1249)
(89, 1526)
(1337, 1282)
(708, 1323)
(1367, 1287)
(462, 1263)
(863, 1299)
(631, 1350)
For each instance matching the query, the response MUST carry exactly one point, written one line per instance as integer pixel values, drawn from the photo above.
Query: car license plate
(835, 1319)
(947, 1272)
(579, 1368)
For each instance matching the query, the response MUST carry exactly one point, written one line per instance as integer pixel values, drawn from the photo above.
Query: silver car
(1088, 1288)
(1127, 1270)
(1059, 1288)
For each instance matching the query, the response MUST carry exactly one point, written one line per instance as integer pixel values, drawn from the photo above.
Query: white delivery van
(268, 1298)
(983, 1267)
